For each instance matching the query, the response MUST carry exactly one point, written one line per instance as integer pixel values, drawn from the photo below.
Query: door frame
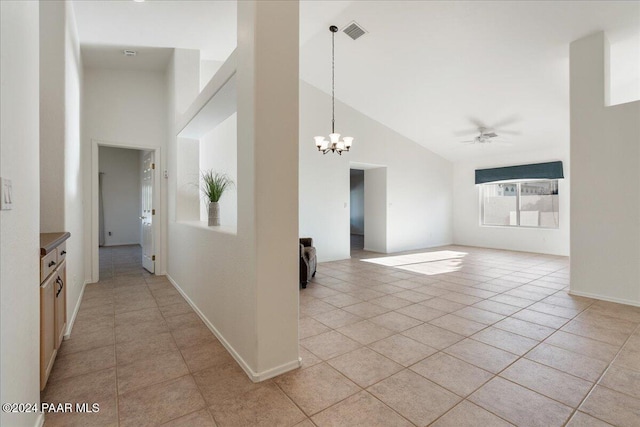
(157, 202)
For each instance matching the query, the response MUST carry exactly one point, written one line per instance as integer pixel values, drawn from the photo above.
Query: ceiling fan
(485, 136)
(499, 126)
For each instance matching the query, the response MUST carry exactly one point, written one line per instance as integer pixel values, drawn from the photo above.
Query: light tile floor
(459, 337)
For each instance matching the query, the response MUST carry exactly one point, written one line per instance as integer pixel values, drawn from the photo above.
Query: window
(520, 204)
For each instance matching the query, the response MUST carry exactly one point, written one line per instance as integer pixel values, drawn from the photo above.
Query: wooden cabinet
(53, 299)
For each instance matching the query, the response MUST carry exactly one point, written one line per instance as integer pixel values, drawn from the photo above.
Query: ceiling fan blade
(507, 121)
(468, 142)
(509, 132)
(490, 135)
(465, 132)
(478, 123)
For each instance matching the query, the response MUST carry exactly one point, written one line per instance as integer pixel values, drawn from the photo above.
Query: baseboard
(278, 370)
(374, 251)
(502, 248)
(67, 333)
(253, 376)
(605, 298)
(39, 420)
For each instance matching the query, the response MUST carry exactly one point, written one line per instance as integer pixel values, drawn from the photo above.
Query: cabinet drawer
(48, 263)
(62, 252)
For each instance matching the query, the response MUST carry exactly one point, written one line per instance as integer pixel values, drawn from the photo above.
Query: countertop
(49, 241)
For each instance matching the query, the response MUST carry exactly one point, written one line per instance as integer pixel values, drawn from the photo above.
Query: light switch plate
(6, 201)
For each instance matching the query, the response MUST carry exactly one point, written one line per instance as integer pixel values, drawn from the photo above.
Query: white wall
(268, 41)
(121, 195)
(187, 204)
(187, 89)
(208, 68)
(419, 182)
(219, 152)
(246, 284)
(124, 108)
(74, 200)
(466, 207)
(61, 173)
(19, 228)
(605, 194)
(356, 201)
(376, 210)
(52, 115)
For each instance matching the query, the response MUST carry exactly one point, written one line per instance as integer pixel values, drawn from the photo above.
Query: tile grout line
(520, 263)
(308, 417)
(408, 368)
(520, 309)
(115, 343)
(596, 383)
(361, 389)
(493, 375)
(519, 357)
(190, 374)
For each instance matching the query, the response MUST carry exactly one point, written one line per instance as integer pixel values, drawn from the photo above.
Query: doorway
(124, 210)
(356, 212)
(368, 208)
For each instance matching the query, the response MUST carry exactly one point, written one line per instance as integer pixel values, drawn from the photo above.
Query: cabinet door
(60, 287)
(47, 329)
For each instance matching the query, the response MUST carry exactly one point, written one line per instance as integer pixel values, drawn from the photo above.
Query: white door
(148, 247)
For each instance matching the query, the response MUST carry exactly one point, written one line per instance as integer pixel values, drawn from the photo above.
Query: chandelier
(334, 144)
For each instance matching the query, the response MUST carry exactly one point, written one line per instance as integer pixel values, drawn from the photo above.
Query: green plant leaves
(214, 184)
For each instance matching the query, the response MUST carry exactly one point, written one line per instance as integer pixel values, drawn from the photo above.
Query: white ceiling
(147, 58)
(209, 26)
(429, 70)
(206, 25)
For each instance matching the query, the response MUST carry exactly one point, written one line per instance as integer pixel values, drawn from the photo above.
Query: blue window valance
(549, 170)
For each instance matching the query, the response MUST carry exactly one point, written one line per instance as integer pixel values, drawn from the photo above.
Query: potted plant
(213, 186)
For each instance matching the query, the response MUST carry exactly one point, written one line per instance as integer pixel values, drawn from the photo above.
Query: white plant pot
(214, 214)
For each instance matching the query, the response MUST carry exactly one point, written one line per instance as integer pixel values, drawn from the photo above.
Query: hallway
(449, 336)
(134, 348)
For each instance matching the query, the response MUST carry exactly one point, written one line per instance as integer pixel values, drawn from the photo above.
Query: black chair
(308, 261)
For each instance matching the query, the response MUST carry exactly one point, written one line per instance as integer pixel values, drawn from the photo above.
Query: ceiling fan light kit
(334, 144)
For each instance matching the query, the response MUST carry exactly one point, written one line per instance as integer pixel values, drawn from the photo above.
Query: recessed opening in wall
(209, 143)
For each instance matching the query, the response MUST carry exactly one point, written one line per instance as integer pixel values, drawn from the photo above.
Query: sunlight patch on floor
(429, 263)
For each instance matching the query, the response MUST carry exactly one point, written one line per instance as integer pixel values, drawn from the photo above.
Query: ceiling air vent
(354, 30)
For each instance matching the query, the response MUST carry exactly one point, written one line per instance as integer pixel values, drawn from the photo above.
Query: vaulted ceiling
(431, 70)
